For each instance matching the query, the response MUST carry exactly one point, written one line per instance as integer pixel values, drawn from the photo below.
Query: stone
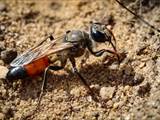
(107, 92)
(3, 72)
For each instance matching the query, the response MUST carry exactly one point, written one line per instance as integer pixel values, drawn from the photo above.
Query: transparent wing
(55, 49)
(41, 50)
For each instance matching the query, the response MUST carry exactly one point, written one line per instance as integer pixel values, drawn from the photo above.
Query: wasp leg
(86, 84)
(72, 60)
(90, 46)
(55, 68)
(110, 41)
(100, 53)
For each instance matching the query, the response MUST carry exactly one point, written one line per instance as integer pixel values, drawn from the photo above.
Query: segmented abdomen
(36, 67)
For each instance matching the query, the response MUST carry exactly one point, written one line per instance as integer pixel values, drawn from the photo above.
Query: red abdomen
(36, 67)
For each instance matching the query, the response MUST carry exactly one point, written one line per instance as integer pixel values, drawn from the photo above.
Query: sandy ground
(136, 81)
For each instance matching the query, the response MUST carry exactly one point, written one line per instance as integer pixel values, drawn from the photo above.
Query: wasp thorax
(74, 36)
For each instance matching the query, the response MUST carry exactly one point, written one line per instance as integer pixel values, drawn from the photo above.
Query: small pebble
(2, 27)
(8, 55)
(113, 66)
(140, 49)
(107, 92)
(6, 109)
(96, 114)
(17, 101)
(95, 86)
(2, 46)
(89, 98)
(138, 78)
(1, 37)
(3, 7)
(2, 116)
(4, 93)
(3, 72)
(110, 103)
(154, 99)
(126, 88)
(118, 104)
(142, 65)
(55, 6)
(144, 89)
(78, 91)
(128, 70)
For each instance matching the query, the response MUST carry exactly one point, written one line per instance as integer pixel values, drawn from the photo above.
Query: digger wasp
(67, 47)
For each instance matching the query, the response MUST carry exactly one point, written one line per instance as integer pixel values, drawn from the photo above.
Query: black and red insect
(67, 47)
(35, 60)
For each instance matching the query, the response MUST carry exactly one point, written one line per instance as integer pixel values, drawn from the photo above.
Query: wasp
(69, 46)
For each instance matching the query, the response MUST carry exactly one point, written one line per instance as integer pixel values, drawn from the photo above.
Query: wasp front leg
(84, 81)
(100, 52)
(109, 34)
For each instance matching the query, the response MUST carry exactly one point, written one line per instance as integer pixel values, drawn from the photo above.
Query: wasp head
(100, 33)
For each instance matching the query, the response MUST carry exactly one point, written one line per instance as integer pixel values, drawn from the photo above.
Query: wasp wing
(55, 49)
(35, 52)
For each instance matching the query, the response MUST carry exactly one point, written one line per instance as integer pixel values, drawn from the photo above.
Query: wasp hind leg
(55, 68)
(44, 82)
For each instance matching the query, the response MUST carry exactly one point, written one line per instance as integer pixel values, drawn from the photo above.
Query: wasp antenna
(139, 17)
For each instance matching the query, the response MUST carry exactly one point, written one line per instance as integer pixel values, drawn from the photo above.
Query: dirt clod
(8, 55)
(143, 90)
